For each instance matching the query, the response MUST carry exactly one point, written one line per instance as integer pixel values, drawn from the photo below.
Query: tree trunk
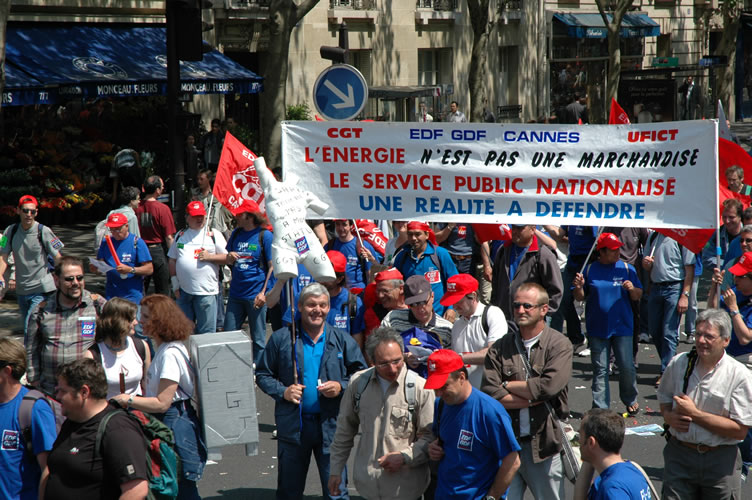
(614, 52)
(727, 46)
(4, 14)
(283, 16)
(478, 68)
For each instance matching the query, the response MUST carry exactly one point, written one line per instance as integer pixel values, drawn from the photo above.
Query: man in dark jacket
(307, 388)
(521, 260)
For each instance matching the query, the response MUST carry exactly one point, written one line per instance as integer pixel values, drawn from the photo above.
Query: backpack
(262, 250)
(163, 463)
(410, 379)
(40, 227)
(24, 417)
(401, 253)
(140, 349)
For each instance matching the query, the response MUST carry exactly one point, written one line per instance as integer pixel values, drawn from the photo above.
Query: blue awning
(22, 89)
(95, 61)
(633, 25)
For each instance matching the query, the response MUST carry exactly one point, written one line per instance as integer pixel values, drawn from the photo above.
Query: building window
(428, 67)
(663, 46)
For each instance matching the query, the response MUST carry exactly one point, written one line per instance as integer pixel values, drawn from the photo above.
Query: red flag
(236, 176)
(729, 154)
(617, 116)
(489, 232)
(372, 234)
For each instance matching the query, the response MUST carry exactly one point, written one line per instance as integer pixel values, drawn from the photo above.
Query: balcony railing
(443, 5)
(353, 4)
(511, 5)
(247, 4)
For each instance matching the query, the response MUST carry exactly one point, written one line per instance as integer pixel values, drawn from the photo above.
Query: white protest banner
(643, 175)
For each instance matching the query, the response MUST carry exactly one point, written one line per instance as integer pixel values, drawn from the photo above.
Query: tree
(479, 21)
(618, 8)
(283, 16)
(730, 13)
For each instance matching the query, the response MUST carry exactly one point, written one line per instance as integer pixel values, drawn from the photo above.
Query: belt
(698, 447)
(461, 257)
(667, 283)
(153, 244)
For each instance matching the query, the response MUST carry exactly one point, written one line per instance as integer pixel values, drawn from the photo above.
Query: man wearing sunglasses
(61, 328)
(31, 244)
(506, 379)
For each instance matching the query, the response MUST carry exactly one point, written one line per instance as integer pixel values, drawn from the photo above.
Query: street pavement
(237, 477)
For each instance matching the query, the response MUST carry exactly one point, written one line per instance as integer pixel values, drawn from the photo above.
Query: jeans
(220, 309)
(566, 309)
(599, 356)
(544, 479)
(663, 319)
(237, 311)
(182, 419)
(161, 274)
(200, 308)
(294, 461)
(26, 303)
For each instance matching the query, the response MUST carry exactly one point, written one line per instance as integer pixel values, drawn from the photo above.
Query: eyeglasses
(746, 240)
(70, 279)
(29, 210)
(707, 336)
(386, 364)
(525, 305)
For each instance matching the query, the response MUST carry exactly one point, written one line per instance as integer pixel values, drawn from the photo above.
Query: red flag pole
(600, 230)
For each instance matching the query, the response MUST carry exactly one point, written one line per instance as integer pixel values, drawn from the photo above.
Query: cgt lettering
(344, 133)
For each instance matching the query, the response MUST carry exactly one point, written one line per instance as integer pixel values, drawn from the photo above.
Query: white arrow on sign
(348, 101)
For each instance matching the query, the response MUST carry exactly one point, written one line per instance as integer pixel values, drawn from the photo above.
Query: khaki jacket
(551, 361)
(386, 427)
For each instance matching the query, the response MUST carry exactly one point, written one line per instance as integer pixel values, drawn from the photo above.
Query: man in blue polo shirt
(601, 437)
(346, 309)
(475, 446)
(307, 387)
(126, 279)
(424, 257)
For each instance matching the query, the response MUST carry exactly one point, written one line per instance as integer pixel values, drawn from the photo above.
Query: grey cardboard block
(226, 390)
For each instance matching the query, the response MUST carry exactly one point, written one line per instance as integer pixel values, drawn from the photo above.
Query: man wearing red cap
(506, 379)
(195, 256)
(475, 445)
(32, 244)
(249, 255)
(477, 326)
(130, 262)
(422, 256)
(345, 308)
(610, 285)
(358, 263)
(157, 229)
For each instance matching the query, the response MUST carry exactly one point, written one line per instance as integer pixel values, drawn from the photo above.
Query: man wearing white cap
(129, 258)
(194, 271)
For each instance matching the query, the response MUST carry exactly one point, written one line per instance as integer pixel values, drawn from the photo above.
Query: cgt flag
(236, 176)
(491, 232)
(371, 233)
(617, 116)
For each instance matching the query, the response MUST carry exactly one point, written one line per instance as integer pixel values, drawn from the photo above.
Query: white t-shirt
(170, 364)
(468, 336)
(197, 277)
(127, 362)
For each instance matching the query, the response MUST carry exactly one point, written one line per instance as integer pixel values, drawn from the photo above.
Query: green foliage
(298, 112)
(247, 136)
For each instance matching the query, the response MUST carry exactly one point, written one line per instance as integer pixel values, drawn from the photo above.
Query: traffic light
(339, 54)
(190, 28)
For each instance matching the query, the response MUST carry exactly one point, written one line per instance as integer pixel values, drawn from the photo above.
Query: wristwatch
(733, 313)
(133, 270)
(489, 497)
(505, 383)
(686, 294)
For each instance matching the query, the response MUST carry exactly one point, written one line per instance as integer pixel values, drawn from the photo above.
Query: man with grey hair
(307, 386)
(389, 406)
(704, 397)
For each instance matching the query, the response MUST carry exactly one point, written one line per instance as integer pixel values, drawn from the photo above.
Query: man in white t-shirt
(194, 255)
(477, 326)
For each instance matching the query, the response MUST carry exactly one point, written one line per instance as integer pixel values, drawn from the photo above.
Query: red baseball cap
(388, 274)
(441, 363)
(608, 240)
(195, 209)
(338, 260)
(116, 220)
(27, 198)
(743, 265)
(248, 206)
(458, 286)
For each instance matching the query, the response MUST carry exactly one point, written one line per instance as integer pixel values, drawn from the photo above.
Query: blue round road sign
(340, 92)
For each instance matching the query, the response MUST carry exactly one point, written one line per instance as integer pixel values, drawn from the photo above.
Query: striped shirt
(403, 319)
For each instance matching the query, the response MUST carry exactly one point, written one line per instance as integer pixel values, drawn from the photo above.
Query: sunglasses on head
(70, 279)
